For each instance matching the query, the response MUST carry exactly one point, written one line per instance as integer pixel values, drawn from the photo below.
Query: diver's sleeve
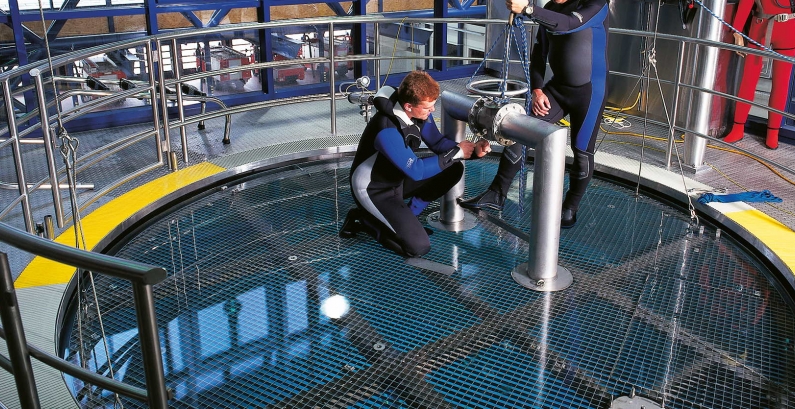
(389, 142)
(592, 12)
(538, 60)
(436, 142)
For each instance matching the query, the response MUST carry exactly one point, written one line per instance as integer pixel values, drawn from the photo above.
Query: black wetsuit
(386, 171)
(572, 37)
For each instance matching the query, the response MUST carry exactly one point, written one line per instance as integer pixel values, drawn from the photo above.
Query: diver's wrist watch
(528, 11)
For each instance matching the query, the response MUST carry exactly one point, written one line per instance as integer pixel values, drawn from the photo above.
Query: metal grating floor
(257, 274)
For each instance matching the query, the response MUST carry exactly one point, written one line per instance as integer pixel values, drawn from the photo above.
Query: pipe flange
(505, 110)
(477, 88)
(472, 118)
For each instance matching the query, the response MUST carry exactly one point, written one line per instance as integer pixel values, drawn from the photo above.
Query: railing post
(332, 72)
(150, 67)
(150, 346)
(176, 62)
(27, 212)
(166, 142)
(17, 344)
(48, 146)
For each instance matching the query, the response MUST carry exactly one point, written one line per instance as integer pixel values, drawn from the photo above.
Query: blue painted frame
(27, 42)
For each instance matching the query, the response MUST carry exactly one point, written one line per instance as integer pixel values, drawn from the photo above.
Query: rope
(521, 46)
(520, 41)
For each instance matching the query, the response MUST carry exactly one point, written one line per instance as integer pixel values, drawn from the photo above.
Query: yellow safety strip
(776, 236)
(102, 221)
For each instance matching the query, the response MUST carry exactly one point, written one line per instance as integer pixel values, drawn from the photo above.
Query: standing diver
(572, 37)
(386, 169)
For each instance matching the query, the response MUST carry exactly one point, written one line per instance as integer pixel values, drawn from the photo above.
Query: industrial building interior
(175, 175)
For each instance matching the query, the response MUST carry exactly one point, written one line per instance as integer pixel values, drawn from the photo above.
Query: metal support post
(48, 146)
(153, 91)
(166, 141)
(150, 346)
(22, 185)
(451, 216)
(541, 272)
(16, 342)
(331, 80)
(176, 63)
(677, 86)
(704, 77)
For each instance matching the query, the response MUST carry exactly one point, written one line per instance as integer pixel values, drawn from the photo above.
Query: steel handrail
(142, 277)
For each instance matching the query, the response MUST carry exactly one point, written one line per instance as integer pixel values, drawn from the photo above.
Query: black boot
(486, 200)
(568, 218)
(351, 225)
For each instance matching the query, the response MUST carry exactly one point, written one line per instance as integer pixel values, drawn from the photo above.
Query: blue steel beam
(337, 9)
(218, 16)
(181, 6)
(459, 5)
(57, 25)
(193, 19)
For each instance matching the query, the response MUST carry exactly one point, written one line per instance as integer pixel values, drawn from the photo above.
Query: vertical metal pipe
(377, 54)
(156, 390)
(27, 212)
(550, 166)
(450, 211)
(331, 80)
(158, 53)
(709, 28)
(542, 272)
(15, 338)
(451, 217)
(48, 146)
(675, 110)
(49, 229)
(150, 68)
(176, 62)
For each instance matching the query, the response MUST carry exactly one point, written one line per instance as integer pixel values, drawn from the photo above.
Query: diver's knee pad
(582, 167)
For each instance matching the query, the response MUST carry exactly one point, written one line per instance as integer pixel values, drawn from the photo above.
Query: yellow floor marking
(103, 220)
(776, 236)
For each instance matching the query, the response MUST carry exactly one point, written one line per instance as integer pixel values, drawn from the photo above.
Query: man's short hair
(416, 87)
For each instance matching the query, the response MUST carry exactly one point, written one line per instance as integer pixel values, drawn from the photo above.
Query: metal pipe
(451, 212)
(166, 141)
(331, 80)
(451, 216)
(542, 272)
(27, 212)
(150, 346)
(674, 112)
(153, 97)
(5, 363)
(14, 186)
(176, 62)
(15, 340)
(49, 228)
(48, 146)
(701, 106)
(377, 53)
